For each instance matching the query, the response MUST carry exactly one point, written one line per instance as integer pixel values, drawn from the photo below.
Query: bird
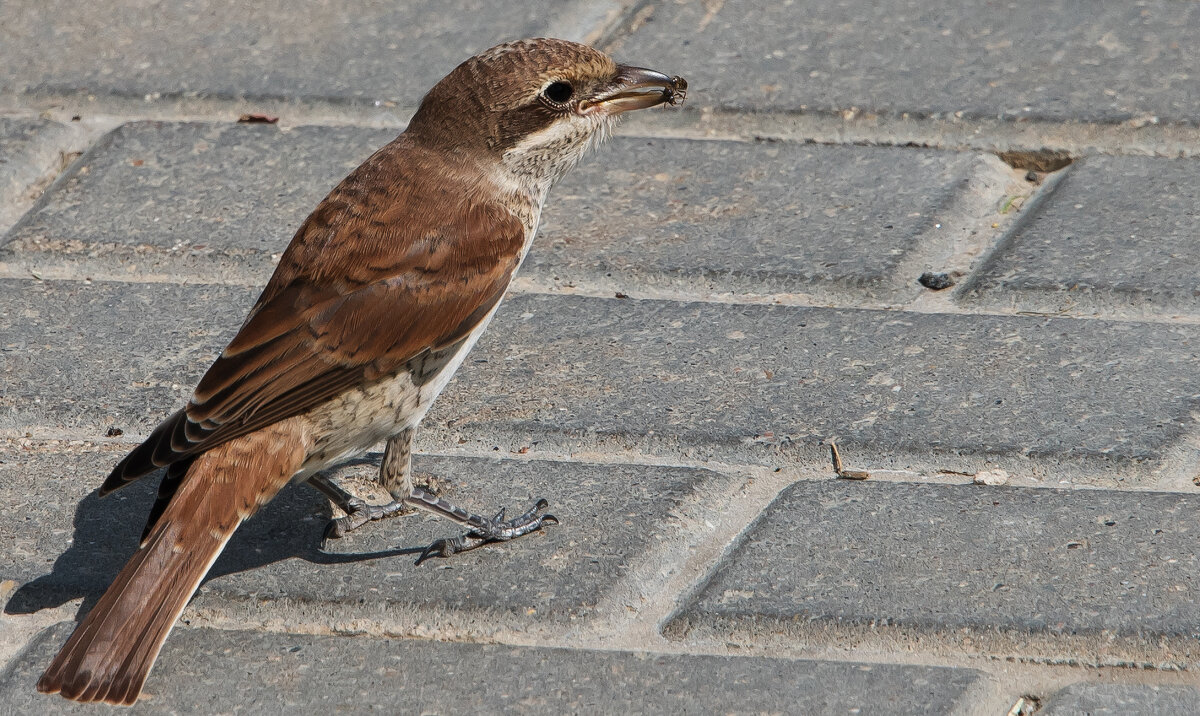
(381, 293)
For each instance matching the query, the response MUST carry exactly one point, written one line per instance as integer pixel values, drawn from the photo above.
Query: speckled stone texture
(1061, 60)
(722, 292)
(311, 50)
(280, 673)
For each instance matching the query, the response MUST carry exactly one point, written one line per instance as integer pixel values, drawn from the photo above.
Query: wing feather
(372, 280)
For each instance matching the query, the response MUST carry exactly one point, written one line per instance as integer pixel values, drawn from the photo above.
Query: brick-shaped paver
(762, 384)
(157, 197)
(86, 356)
(1024, 570)
(1060, 60)
(1116, 232)
(206, 670)
(310, 50)
(69, 543)
(20, 139)
(738, 217)
(765, 384)
(31, 151)
(1122, 700)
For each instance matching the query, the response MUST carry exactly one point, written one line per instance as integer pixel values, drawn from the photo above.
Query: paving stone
(1060, 60)
(1116, 231)
(745, 217)
(615, 519)
(766, 384)
(84, 357)
(1026, 568)
(741, 383)
(184, 198)
(1122, 700)
(151, 193)
(311, 50)
(29, 151)
(18, 137)
(205, 670)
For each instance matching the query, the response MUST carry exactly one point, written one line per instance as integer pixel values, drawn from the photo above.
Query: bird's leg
(394, 473)
(480, 530)
(358, 511)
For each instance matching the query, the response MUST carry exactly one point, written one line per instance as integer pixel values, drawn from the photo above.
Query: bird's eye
(558, 92)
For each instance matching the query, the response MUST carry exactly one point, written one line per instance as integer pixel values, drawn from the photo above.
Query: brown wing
(372, 280)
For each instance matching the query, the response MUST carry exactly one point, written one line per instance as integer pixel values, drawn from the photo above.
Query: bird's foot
(359, 513)
(480, 530)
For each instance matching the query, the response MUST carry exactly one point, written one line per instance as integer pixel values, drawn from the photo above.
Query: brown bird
(374, 305)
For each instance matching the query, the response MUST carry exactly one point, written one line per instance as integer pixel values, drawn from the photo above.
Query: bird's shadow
(107, 530)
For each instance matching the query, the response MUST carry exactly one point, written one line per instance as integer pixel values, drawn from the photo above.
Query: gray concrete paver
(311, 50)
(87, 356)
(31, 150)
(1114, 571)
(758, 218)
(1122, 700)
(766, 384)
(183, 195)
(277, 567)
(203, 670)
(759, 384)
(1116, 232)
(1061, 60)
(746, 218)
(19, 138)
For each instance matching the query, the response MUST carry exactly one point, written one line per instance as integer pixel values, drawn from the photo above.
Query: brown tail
(110, 654)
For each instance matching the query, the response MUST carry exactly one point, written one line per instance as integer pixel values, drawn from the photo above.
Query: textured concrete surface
(768, 383)
(314, 50)
(150, 194)
(746, 217)
(1105, 61)
(727, 288)
(18, 140)
(76, 336)
(1116, 231)
(614, 519)
(761, 383)
(32, 151)
(155, 196)
(280, 673)
(966, 563)
(1119, 699)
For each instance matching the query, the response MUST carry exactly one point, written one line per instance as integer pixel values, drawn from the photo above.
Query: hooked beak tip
(637, 88)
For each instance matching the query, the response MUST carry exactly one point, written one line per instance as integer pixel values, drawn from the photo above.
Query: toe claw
(481, 530)
(438, 548)
(335, 529)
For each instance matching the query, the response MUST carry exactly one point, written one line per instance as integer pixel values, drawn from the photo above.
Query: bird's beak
(635, 88)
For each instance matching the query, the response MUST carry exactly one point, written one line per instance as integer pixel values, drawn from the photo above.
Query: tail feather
(109, 656)
(112, 651)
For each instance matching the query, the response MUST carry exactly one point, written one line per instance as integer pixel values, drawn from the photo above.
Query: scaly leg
(480, 530)
(395, 473)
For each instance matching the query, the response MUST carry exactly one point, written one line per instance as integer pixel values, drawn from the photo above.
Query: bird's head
(536, 106)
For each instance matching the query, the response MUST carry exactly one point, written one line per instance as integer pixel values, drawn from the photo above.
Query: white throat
(538, 161)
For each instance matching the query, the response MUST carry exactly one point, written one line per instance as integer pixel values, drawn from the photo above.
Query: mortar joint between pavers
(891, 128)
(1029, 211)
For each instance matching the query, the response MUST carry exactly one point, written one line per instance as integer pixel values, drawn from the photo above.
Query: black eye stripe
(558, 92)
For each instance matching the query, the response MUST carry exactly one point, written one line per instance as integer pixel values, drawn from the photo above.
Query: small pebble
(935, 281)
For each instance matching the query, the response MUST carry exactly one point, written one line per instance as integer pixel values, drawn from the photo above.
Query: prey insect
(677, 92)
